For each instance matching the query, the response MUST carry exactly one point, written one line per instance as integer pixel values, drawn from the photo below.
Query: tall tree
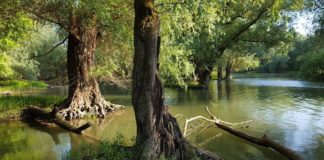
(209, 28)
(158, 133)
(84, 21)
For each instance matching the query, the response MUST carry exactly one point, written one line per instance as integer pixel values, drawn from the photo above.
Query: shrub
(313, 66)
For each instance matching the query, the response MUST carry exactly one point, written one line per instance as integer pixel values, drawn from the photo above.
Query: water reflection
(293, 115)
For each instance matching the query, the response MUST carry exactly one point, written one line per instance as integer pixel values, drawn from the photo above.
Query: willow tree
(158, 133)
(209, 28)
(85, 22)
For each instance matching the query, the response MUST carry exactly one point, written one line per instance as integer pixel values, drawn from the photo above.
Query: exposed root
(79, 109)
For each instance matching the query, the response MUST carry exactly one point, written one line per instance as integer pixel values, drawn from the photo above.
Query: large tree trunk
(158, 133)
(204, 76)
(228, 70)
(84, 98)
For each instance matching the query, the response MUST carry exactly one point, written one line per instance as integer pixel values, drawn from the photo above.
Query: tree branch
(50, 50)
(265, 141)
(220, 50)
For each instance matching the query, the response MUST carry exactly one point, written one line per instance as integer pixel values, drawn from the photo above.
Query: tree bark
(84, 97)
(219, 73)
(204, 76)
(158, 133)
(228, 70)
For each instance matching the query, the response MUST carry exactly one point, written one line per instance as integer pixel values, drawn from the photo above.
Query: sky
(303, 23)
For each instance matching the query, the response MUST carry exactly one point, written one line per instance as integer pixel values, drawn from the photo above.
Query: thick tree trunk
(228, 70)
(158, 133)
(84, 98)
(219, 73)
(204, 76)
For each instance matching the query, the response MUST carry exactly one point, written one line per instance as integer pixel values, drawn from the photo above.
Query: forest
(162, 79)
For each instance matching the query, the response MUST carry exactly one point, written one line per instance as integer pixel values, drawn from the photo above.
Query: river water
(290, 111)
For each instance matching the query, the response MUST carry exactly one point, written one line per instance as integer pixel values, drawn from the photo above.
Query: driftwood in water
(265, 141)
(41, 116)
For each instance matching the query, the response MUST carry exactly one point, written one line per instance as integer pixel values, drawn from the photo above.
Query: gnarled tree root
(45, 118)
(76, 108)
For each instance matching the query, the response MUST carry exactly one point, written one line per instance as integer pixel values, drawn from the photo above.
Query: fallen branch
(265, 141)
(42, 116)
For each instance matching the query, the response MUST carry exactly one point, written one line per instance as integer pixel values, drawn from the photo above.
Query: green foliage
(175, 67)
(13, 27)
(21, 84)
(6, 71)
(50, 63)
(313, 66)
(277, 64)
(104, 150)
(245, 63)
(301, 47)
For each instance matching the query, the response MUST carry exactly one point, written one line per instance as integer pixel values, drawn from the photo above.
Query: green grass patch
(11, 106)
(114, 150)
(21, 84)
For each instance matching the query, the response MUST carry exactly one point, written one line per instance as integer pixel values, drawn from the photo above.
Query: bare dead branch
(265, 141)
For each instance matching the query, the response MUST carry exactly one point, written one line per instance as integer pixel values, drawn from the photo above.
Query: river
(290, 111)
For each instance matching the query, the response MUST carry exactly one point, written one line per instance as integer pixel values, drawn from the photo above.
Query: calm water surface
(290, 111)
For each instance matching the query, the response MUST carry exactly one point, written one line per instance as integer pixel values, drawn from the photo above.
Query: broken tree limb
(265, 141)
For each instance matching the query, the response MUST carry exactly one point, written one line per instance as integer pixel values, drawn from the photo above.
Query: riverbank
(12, 106)
(21, 84)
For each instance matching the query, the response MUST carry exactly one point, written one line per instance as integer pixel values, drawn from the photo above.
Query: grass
(115, 150)
(11, 106)
(21, 84)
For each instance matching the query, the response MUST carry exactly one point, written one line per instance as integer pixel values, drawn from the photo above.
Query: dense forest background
(197, 42)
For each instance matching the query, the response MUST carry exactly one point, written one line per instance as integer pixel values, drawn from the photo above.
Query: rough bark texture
(158, 133)
(84, 96)
(204, 76)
